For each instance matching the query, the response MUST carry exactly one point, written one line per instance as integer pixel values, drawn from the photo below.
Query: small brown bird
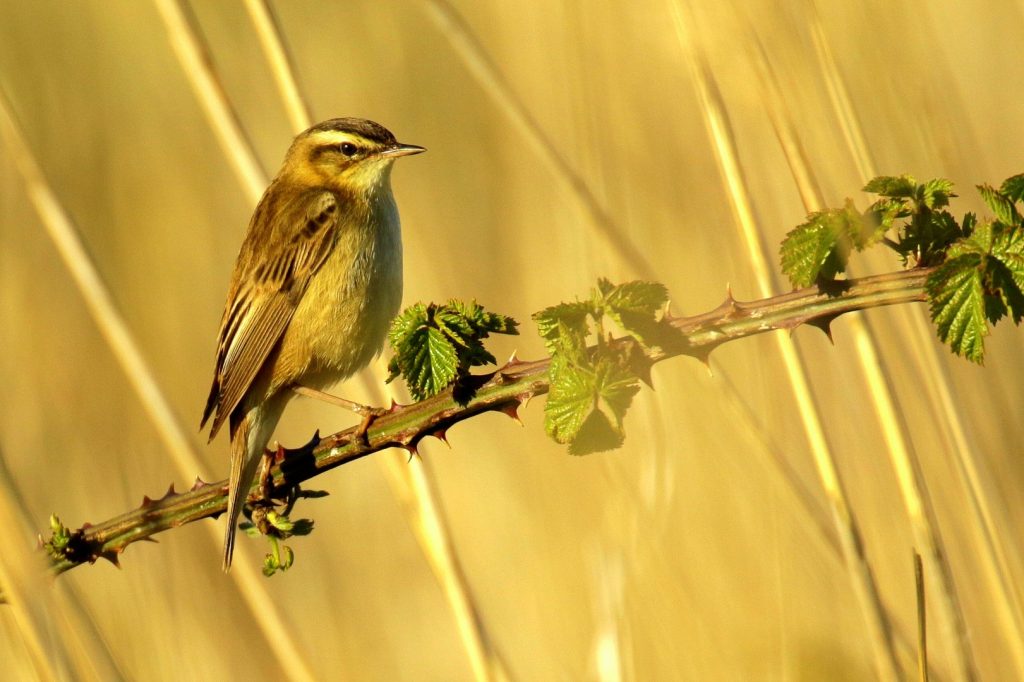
(317, 280)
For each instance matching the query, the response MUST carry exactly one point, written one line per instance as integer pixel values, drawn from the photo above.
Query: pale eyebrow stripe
(337, 137)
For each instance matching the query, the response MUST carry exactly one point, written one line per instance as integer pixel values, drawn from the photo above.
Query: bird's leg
(365, 411)
(265, 488)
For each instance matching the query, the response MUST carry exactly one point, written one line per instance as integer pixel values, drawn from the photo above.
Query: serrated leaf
(494, 323)
(1001, 205)
(817, 248)
(957, 305)
(634, 307)
(902, 186)
(1005, 270)
(476, 355)
(969, 222)
(570, 400)
(500, 324)
(455, 325)
(483, 321)
(577, 392)
(879, 219)
(435, 344)
(565, 323)
(929, 236)
(405, 323)
(429, 362)
(1013, 188)
(604, 286)
(616, 386)
(937, 192)
(980, 242)
(636, 297)
(471, 310)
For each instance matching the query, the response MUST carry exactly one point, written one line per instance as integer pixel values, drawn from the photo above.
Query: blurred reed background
(675, 140)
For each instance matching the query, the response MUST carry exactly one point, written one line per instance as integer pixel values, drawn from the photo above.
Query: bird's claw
(370, 414)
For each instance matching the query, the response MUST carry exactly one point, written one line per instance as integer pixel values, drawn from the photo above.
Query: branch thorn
(442, 435)
(824, 324)
(512, 410)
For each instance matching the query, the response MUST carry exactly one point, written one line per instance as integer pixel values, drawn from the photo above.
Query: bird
(316, 283)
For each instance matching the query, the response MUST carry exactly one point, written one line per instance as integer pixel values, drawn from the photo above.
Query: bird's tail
(249, 435)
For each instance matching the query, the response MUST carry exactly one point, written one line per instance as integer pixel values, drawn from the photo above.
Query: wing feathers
(256, 337)
(284, 248)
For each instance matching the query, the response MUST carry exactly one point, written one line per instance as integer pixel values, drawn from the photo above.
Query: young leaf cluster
(436, 345)
(278, 526)
(914, 214)
(982, 278)
(592, 386)
(59, 538)
(979, 275)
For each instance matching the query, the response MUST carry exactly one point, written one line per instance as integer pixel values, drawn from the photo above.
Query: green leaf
(455, 325)
(570, 400)
(819, 248)
(968, 225)
(604, 287)
(476, 355)
(1005, 270)
(403, 326)
(1013, 188)
(878, 220)
(435, 344)
(563, 325)
(642, 298)
(903, 186)
(936, 193)
(616, 387)
(1007, 286)
(928, 236)
(1001, 205)
(634, 307)
(586, 404)
(428, 362)
(957, 304)
(982, 280)
(60, 537)
(483, 321)
(280, 521)
(493, 323)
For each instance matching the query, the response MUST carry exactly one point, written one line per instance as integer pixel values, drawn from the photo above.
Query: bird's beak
(403, 150)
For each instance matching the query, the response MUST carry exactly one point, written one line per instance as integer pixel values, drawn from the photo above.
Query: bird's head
(350, 155)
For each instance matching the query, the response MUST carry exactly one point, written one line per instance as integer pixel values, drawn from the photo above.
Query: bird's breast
(342, 320)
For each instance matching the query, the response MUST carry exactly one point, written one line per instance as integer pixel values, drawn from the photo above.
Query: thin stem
(922, 621)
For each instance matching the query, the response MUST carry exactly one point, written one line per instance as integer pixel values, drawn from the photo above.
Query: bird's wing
(285, 246)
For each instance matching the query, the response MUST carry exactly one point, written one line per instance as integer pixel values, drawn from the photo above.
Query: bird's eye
(348, 149)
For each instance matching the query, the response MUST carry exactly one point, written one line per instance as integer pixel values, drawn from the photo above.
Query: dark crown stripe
(374, 132)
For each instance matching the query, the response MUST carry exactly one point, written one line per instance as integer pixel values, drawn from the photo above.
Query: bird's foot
(264, 503)
(369, 416)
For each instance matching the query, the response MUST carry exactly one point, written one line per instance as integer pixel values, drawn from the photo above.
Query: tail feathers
(246, 450)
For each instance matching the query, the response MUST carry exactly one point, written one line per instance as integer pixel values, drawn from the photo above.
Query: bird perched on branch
(317, 280)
